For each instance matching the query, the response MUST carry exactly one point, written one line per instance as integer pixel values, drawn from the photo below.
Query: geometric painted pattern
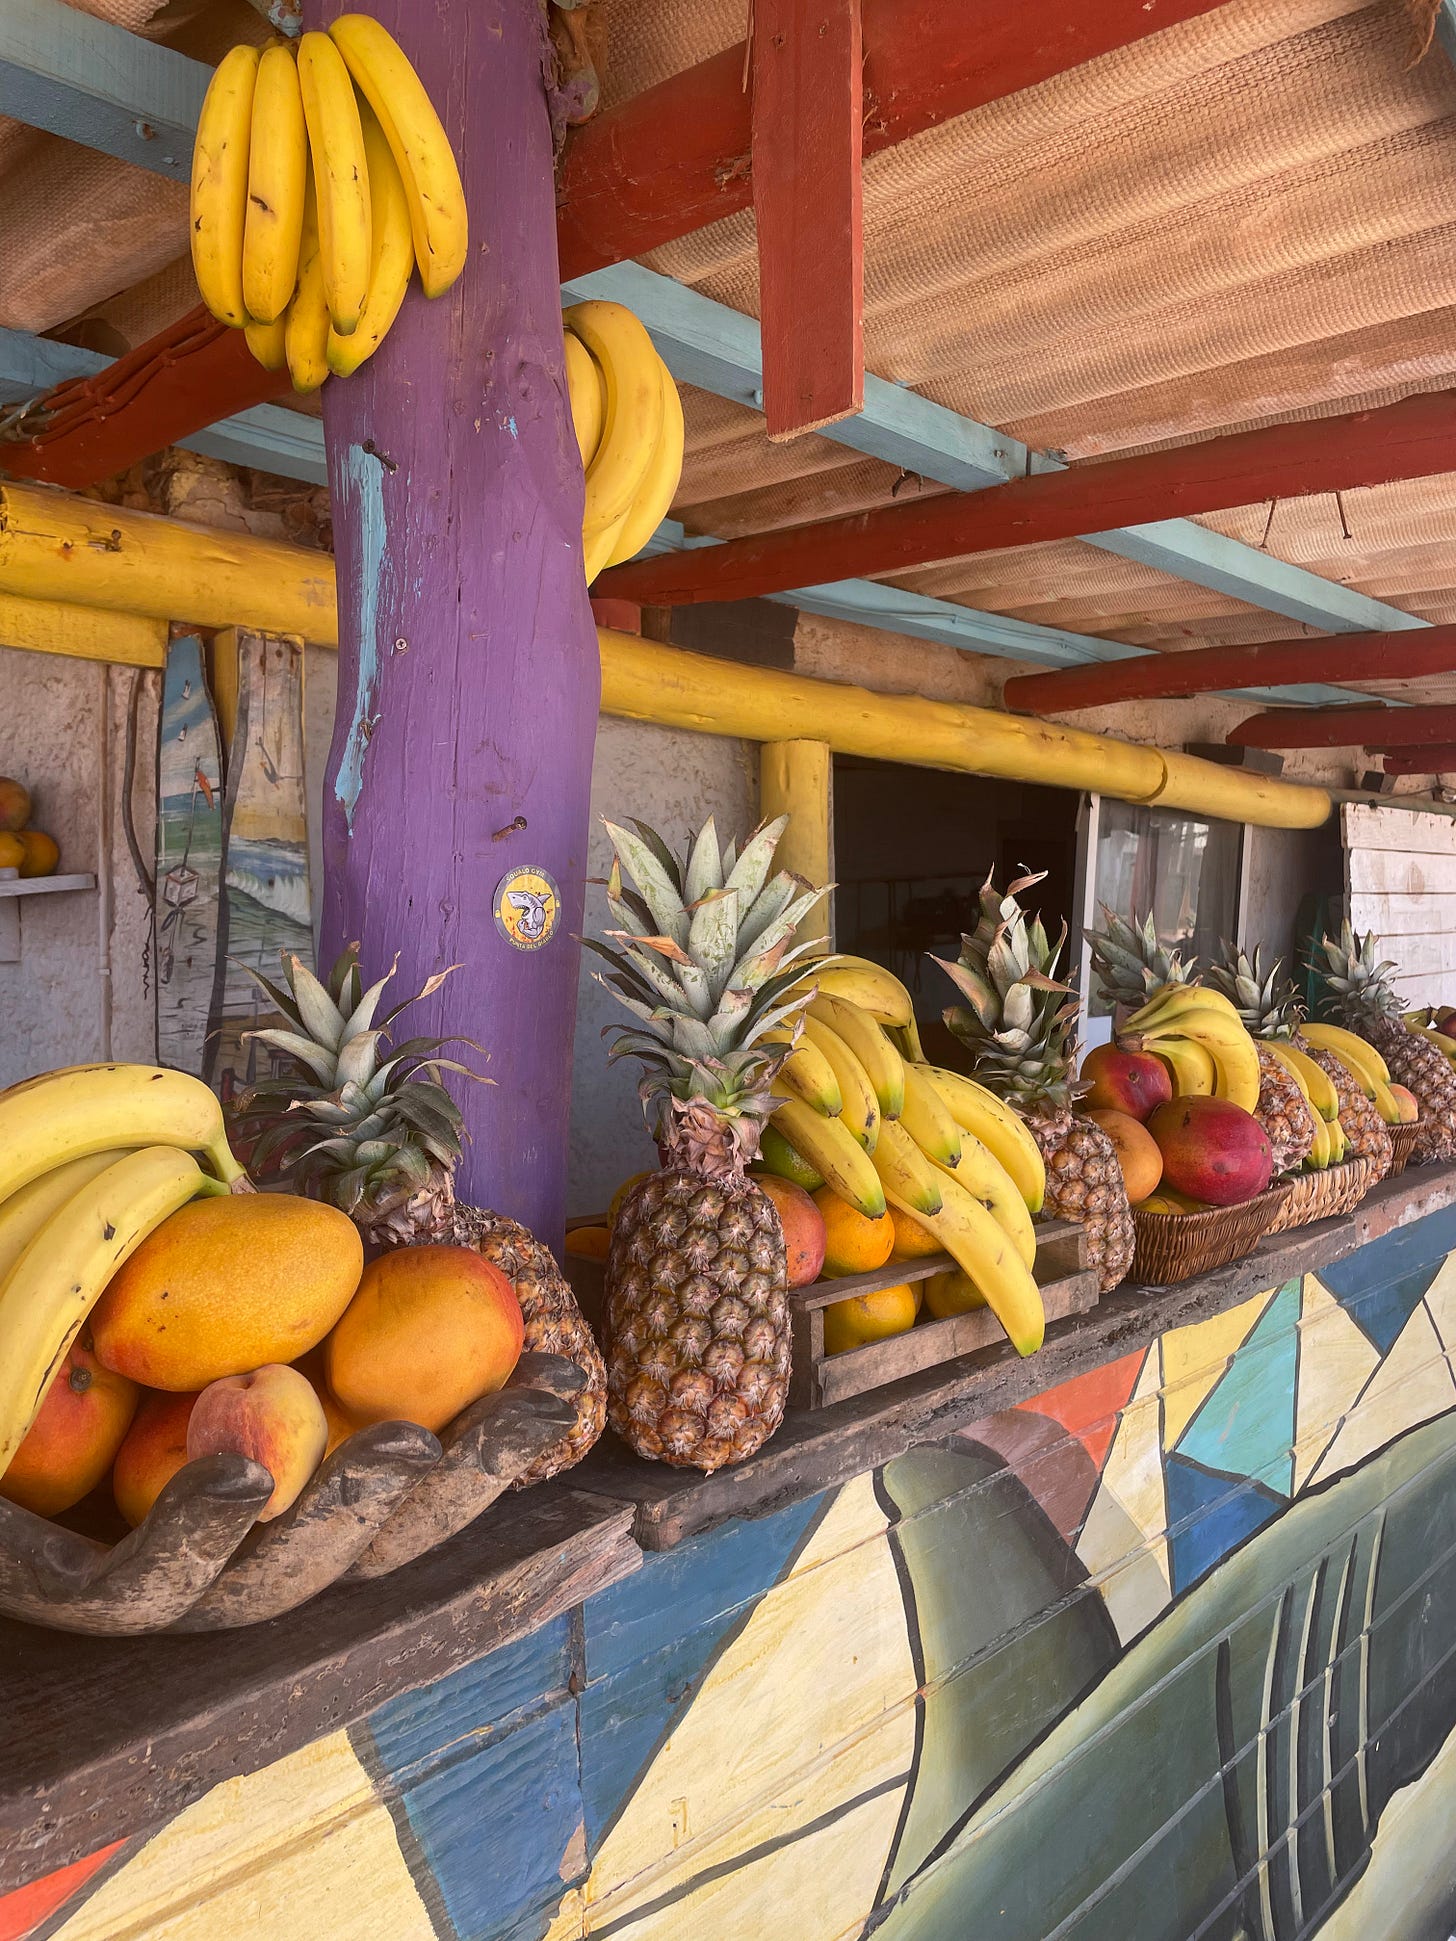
(1245, 1425)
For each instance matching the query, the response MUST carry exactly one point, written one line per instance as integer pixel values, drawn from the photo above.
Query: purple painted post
(468, 669)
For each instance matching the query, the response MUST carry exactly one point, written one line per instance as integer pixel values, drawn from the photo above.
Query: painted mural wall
(1166, 1653)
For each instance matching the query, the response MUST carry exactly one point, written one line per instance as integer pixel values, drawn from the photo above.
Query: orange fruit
(73, 1441)
(588, 1243)
(868, 1317)
(952, 1293)
(41, 853)
(852, 1244)
(12, 851)
(912, 1241)
(1138, 1153)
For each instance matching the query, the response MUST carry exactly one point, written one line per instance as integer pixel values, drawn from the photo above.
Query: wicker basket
(1402, 1142)
(1324, 1196)
(1176, 1246)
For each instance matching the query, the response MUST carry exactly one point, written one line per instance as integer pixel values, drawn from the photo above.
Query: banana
(306, 323)
(777, 1156)
(1002, 1131)
(587, 390)
(1312, 1079)
(1236, 1074)
(1385, 1105)
(929, 1120)
(828, 1147)
(421, 148)
(910, 1180)
(659, 482)
(219, 201)
(858, 980)
(1444, 1044)
(632, 427)
(1339, 1143)
(269, 342)
(986, 1179)
(988, 1256)
(907, 1038)
(870, 1046)
(340, 178)
(1360, 1059)
(1174, 999)
(1223, 1036)
(391, 256)
(858, 1108)
(808, 1075)
(64, 1271)
(66, 1115)
(1319, 1152)
(1189, 1065)
(26, 1212)
(277, 172)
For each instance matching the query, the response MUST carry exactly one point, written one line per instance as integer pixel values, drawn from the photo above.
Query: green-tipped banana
(929, 1120)
(777, 1156)
(808, 1075)
(831, 1150)
(870, 1046)
(991, 1120)
(983, 1176)
(46, 1121)
(987, 1254)
(859, 1108)
(910, 1180)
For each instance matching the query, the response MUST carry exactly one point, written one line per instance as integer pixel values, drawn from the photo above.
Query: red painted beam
(808, 117)
(1372, 727)
(1267, 663)
(1412, 439)
(679, 155)
(1440, 759)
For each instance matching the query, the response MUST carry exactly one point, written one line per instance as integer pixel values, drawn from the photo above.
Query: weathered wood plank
(1391, 872)
(1409, 832)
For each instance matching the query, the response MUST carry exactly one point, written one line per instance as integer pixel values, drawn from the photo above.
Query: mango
(72, 1442)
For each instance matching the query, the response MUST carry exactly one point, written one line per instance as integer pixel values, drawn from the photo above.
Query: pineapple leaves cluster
(1129, 962)
(1359, 982)
(1019, 1019)
(1270, 1006)
(704, 958)
(357, 1121)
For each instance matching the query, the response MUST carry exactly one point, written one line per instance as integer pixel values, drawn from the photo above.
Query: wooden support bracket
(1373, 727)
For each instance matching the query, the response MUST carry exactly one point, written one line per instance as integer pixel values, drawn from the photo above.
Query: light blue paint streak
(366, 481)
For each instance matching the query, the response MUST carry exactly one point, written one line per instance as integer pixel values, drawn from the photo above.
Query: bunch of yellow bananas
(629, 428)
(319, 180)
(1362, 1061)
(1199, 1035)
(92, 1159)
(860, 1113)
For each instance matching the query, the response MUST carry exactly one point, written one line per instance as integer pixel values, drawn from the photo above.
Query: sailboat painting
(265, 905)
(188, 858)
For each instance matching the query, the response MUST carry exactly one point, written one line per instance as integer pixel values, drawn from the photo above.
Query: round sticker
(527, 907)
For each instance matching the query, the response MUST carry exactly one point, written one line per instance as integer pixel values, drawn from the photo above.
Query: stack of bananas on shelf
(858, 1111)
(1200, 1037)
(92, 1160)
(1362, 1061)
(320, 180)
(629, 428)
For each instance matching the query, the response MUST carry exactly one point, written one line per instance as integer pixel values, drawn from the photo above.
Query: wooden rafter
(1373, 727)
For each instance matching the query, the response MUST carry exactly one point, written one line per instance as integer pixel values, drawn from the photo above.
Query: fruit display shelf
(13, 887)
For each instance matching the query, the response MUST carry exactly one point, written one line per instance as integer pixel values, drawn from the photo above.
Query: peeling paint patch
(366, 483)
(511, 423)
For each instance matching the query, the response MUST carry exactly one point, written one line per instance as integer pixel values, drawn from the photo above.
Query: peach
(42, 853)
(852, 1244)
(1410, 1105)
(1137, 1152)
(73, 1441)
(14, 804)
(154, 1450)
(430, 1331)
(271, 1415)
(803, 1226)
(1212, 1150)
(1133, 1082)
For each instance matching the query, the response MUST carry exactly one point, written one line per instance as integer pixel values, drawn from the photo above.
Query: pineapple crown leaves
(1130, 963)
(1358, 981)
(1270, 1005)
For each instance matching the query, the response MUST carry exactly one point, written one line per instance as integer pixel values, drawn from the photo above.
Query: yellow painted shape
(1412, 1384)
(1441, 1300)
(808, 1709)
(83, 633)
(1124, 1542)
(1195, 1358)
(222, 668)
(1406, 1886)
(1335, 1362)
(795, 778)
(301, 1851)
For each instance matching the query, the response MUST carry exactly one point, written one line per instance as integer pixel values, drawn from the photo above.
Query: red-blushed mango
(430, 1331)
(272, 1416)
(803, 1226)
(73, 1441)
(227, 1285)
(1212, 1150)
(154, 1450)
(1134, 1082)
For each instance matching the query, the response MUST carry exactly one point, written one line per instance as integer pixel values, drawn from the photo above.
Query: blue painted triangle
(1379, 1287)
(1245, 1426)
(1208, 1516)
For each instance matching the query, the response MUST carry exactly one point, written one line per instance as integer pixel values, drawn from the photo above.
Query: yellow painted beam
(222, 670)
(84, 633)
(795, 778)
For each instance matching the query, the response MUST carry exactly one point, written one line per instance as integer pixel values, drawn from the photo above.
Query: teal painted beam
(99, 85)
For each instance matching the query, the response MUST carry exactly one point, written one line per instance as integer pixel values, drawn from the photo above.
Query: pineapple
(1367, 1132)
(1269, 1007)
(379, 1137)
(1130, 964)
(697, 1313)
(1364, 1002)
(1020, 1029)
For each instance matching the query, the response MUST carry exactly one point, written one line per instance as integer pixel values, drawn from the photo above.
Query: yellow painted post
(82, 633)
(222, 670)
(796, 779)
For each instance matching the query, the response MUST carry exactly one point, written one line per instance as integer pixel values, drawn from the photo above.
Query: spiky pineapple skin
(1366, 1131)
(1284, 1113)
(555, 1325)
(1422, 1070)
(1084, 1183)
(697, 1334)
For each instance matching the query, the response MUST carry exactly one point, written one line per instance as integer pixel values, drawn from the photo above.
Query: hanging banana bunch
(321, 179)
(629, 427)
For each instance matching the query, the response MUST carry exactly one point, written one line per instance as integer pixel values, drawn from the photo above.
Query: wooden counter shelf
(101, 1739)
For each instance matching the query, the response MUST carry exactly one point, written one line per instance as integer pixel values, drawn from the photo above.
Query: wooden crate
(819, 1379)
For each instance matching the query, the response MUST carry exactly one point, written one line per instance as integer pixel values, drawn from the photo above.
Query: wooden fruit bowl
(201, 1562)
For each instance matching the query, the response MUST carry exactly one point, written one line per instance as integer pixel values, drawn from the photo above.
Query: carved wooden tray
(200, 1561)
